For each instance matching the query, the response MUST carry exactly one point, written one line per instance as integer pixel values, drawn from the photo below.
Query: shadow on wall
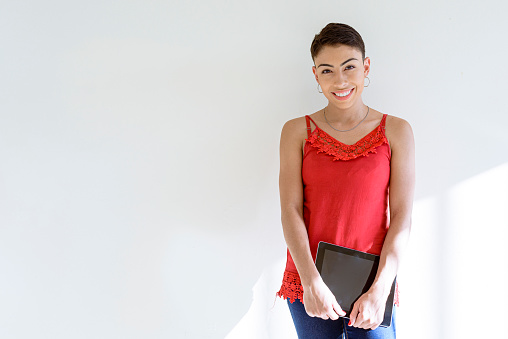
(268, 315)
(453, 268)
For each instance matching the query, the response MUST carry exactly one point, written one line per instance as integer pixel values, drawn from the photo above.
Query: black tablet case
(350, 273)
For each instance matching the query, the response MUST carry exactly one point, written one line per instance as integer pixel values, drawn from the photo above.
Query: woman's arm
(318, 299)
(368, 311)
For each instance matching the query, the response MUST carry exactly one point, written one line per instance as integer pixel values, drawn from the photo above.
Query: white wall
(139, 159)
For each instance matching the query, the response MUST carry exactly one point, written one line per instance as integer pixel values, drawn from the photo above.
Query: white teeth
(343, 94)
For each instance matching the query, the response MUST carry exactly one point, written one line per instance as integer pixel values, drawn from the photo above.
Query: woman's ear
(366, 66)
(314, 70)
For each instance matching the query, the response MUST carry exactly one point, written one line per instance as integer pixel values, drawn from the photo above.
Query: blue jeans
(309, 327)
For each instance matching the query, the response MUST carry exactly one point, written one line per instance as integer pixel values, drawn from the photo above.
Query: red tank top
(345, 196)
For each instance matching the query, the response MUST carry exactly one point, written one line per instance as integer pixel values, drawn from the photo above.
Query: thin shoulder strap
(308, 125)
(383, 122)
(308, 119)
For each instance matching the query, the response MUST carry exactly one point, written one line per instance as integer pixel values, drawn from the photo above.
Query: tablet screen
(350, 273)
(346, 273)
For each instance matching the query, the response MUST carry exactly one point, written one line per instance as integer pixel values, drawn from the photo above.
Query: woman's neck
(346, 116)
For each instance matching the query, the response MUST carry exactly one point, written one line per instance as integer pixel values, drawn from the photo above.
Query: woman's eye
(326, 71)
(350, 67)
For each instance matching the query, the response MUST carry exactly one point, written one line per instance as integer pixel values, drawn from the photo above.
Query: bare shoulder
(294, 125)
(398, 131)
(294, 130)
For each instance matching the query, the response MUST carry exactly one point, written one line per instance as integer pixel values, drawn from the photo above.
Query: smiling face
(340, 72)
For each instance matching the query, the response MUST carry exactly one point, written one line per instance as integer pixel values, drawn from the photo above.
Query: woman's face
(340, 72)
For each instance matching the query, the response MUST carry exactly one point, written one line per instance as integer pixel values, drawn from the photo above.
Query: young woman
(347, 178)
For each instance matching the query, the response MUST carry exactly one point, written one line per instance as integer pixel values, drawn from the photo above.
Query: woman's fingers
(320, 302)
(334, 311)
(338, 309)
(360, 320)
(354, 315)
(316, 313)
(332, 314)
(326, 313)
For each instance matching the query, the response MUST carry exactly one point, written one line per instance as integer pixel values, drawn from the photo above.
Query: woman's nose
(340, 79)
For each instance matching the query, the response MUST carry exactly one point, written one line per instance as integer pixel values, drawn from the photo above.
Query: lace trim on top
(340, 151)
(292, 288)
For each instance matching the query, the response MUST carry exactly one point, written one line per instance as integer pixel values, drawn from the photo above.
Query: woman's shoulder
(396, 121)
(297, 126)
(294, 123)
(397, 130)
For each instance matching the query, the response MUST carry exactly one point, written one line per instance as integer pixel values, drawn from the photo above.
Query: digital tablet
(350, 273)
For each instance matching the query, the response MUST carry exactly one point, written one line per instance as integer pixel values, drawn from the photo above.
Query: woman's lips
(343, 95)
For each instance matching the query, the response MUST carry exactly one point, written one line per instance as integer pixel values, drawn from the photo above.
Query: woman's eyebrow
(325, 65)
(342, 64)
(348, 60)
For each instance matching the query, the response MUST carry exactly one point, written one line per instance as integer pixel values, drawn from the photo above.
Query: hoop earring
(318, 89)
(367, 84)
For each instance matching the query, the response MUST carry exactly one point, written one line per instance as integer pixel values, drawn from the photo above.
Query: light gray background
(139, 161)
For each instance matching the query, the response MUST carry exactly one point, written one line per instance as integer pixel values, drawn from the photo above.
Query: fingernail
(349, 323)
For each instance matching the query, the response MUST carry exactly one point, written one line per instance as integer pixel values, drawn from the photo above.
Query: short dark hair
(337, 34)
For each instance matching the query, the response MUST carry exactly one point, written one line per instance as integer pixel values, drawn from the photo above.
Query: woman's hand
(320, 302)
(368, 311)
